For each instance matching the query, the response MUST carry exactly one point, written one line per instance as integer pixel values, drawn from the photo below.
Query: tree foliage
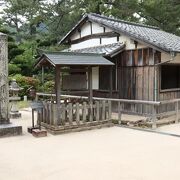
(39, 24)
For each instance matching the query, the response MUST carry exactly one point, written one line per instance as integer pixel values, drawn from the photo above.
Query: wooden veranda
(60, 116)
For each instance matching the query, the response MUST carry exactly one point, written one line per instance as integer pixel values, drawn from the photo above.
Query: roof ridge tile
(122, 21)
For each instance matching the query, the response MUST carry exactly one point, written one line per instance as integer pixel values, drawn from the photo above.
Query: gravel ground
(104, 154)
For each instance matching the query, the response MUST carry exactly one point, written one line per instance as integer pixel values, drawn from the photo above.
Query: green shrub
(49, 86)
(25, 83)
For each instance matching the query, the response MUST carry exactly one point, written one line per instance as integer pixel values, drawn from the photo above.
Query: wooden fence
(157, 107)
(77, 115)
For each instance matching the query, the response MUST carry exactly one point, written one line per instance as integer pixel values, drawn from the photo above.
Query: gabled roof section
(105, 50)
(72, 59)
(150, 35)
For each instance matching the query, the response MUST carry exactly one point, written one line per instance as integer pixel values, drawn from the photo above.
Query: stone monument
(6, 128)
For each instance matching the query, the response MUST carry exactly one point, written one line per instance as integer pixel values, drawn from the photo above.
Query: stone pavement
(104, 154)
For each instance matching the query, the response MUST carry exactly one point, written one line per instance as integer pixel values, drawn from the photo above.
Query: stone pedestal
(10, 130)
(15, 115)
(6, 128)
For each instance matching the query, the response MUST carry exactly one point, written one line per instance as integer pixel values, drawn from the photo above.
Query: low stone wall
(10, 130)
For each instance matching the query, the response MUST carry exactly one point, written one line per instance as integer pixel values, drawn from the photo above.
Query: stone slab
(10, 130)
(29, 129)
(39, 133)
(78, 129)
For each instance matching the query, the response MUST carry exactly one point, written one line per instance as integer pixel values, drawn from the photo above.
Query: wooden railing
(75, 113)
(156, 108)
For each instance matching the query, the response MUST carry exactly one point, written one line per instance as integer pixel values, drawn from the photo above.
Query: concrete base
(15, 115)
(10, 130)
(77, 128)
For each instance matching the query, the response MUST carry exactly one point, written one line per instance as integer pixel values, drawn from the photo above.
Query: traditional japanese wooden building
(147, 59)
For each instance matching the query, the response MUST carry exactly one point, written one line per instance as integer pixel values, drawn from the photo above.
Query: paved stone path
(104, 154)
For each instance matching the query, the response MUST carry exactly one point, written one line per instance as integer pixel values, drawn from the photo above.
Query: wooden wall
(136, 83)
(138, 78)
(135, 77)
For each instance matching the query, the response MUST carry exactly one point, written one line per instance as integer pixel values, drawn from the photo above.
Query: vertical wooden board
(97, 110)
(136, 57)
(125, 82)
(151, 59)
(157, 57)
(136, 87)
(129, 82)
(119, 81)
(145, 87)
(139, 86)
(132, 90)
(151, 83)
(167, 97)
(70, 113)
(140, 57)
(133, 57)
(161, 109)
(173, 96)
(145, 57)
(158, 82)
(128, 58)
(148, 86)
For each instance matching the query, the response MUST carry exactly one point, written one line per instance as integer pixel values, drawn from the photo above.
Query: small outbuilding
(60, 116)
(147, 59)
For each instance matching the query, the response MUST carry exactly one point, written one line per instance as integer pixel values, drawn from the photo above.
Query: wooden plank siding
(136, 73)
(135, 77)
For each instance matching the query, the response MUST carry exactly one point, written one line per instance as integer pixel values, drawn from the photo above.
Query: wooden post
(51, 114)
(55, 114)
(33, 118)
(63, 112)
(97, 110)
(177, 112)
(90, 84)
(110, 81)
(103, 110)
(77, 113)
(90, 93)
(58, 94)
(42, 77)
(84, 112)
(70, 113)
(154, 118)
(119, 112)
(43, 113)
(109, 109)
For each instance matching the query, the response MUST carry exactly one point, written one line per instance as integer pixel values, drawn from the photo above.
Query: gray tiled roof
(151, 35)
(106, 50)
(69, 58)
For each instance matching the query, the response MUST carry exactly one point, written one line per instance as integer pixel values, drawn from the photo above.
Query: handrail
(110, 99)
(154, 104)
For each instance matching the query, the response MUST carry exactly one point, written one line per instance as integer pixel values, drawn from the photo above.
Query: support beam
(58, 94)
(90, 93)
(177, 111)
(90, 84)
(110, 81)
(42, 77)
